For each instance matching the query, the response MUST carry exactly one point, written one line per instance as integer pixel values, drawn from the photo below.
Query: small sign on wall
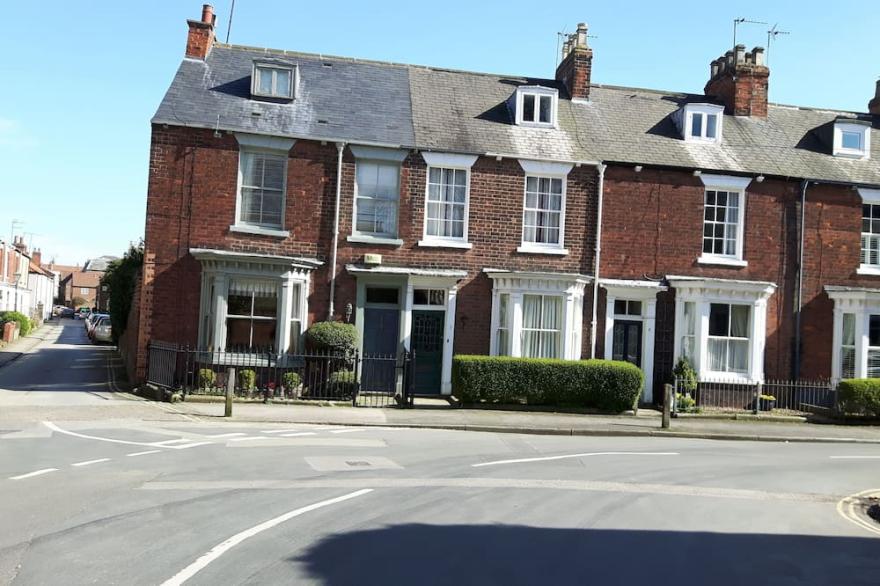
(373, 259)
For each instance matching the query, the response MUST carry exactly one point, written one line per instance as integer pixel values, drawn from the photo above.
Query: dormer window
(700, 122)
(273, 80)
(852, 138)
(536, 106)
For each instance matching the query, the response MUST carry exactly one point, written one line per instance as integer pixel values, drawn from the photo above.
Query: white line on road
(174, 441)
(248, 439)
(222, 435)
(298, 434)
(54, 427)
(133, 454)
(219, 549)
(855, 457)
(35, 473)
(90, 462)
(846, 508)
(186, 446)
(568, 456)
(350, 430)
(280, 431)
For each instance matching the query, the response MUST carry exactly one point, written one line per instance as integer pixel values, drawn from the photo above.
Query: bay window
(541, 326)
(502, 332)
(848, 346)
(688, 336)
(251, 315)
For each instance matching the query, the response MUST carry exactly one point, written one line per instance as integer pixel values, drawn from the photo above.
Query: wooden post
(667, 406)
(757, 398)
(230, 390)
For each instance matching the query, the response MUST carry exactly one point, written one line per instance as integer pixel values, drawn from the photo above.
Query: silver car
(102, 332)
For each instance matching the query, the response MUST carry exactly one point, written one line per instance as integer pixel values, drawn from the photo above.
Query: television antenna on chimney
(771, 36)
(743, 20)
(229, 26)
(13, 225)
(560, 38)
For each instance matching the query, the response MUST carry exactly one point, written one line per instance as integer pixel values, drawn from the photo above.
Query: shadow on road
(514, 554)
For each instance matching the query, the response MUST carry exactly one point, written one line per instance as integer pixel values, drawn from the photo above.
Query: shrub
(604, 384)
(342, 383)
(684, 403)
(247, 379)
(331, 336)
(859, 396)
(120, 279)
(686, 375)
(290, 380)
(23, 321)
(206, 378)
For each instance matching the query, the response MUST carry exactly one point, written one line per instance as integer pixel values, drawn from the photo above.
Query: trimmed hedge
(331, 335)
(859, 396)
(24, 322)
(608, 385)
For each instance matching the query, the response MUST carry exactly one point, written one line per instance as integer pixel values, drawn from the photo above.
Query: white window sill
(722, 261)
(526, 249)
(366, 239)
(445, 244)
(726, 377)
(868, 270)
(241, 229)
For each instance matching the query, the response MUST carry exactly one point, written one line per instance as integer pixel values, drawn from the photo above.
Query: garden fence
(780, 396)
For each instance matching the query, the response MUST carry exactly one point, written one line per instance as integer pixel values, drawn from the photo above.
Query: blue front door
(381, 333)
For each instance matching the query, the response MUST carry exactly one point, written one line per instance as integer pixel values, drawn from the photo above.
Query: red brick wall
(191, 204)
(746, 95)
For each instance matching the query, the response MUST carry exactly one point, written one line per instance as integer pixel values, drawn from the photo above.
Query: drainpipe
(800, 285)
(340, 148)
(601, 189)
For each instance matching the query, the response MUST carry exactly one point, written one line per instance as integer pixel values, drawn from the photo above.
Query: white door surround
(862, 303)
(646, 293)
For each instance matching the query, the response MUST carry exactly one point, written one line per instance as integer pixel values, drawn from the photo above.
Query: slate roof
(427, 108)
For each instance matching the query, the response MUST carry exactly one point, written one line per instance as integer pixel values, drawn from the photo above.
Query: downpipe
(594, 321)
(340, 148)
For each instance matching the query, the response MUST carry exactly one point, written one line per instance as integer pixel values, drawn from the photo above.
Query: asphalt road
(165, 500)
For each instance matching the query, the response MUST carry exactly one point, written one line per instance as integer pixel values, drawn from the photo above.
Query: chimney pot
(208, 14)
(740, 53)
(575, 69)
(201, 34)
(758, 53)
(582, 34)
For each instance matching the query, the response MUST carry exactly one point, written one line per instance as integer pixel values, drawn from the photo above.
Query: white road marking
(54, 427)
(221, 548)
(349, 430)
(569, 456)
(222, 435)
(248, 439)
(35, 473)
(298, 434)
(90, 462)
(193, 445)
(280, 431)
(174, 441)
(846, 508)
(855, 457)
(132, 455)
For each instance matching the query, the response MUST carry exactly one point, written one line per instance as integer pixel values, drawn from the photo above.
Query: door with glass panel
(627, 341)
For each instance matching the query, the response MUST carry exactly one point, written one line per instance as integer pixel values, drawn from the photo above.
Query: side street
(303, 295)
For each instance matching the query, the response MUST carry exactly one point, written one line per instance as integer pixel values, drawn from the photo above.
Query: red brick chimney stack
(741, 81)
(576, 67)
(874, 104)
(37, 257)
(201, 34)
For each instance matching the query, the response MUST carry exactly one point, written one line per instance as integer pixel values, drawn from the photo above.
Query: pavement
(23, 345)
(96, 487)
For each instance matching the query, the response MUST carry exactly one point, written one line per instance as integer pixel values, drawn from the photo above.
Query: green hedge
(603, 384)
(859, 396)
(24, 322)
(331, 335)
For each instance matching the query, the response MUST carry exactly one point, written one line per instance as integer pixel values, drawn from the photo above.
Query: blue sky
(88, 76)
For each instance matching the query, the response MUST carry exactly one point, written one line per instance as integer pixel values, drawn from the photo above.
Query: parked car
(67, 312)
(82, 313)
(102, 333)
(92, 321)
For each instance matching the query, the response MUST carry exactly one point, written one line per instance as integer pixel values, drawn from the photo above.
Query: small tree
(686, 375)
(326, 336)
(120, 279)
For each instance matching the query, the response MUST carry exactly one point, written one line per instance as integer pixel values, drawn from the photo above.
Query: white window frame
(544, 170)
(729, 337)
(570, 287)
(705, 291)
(684, 119)
(274, 69)
(731, 185)
(537, 92)
(270, 145)
(869, 197)
(862, 303)
(863, 130)
(448, 161)
(376, 155)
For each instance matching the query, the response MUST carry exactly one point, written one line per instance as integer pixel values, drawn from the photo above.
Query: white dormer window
(700, 122)
(270, 80)
(536, 106)
(852, 139)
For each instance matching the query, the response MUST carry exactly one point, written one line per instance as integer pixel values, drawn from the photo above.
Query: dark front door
(627, 341)
(381, 331)
(427, 344)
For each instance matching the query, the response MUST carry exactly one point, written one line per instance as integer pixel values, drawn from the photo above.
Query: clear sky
(81, 80)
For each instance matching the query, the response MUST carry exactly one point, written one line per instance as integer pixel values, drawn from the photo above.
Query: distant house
(80, 285)
(14, 262)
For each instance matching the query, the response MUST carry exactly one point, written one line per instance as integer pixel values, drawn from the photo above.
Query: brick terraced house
(456, 212)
